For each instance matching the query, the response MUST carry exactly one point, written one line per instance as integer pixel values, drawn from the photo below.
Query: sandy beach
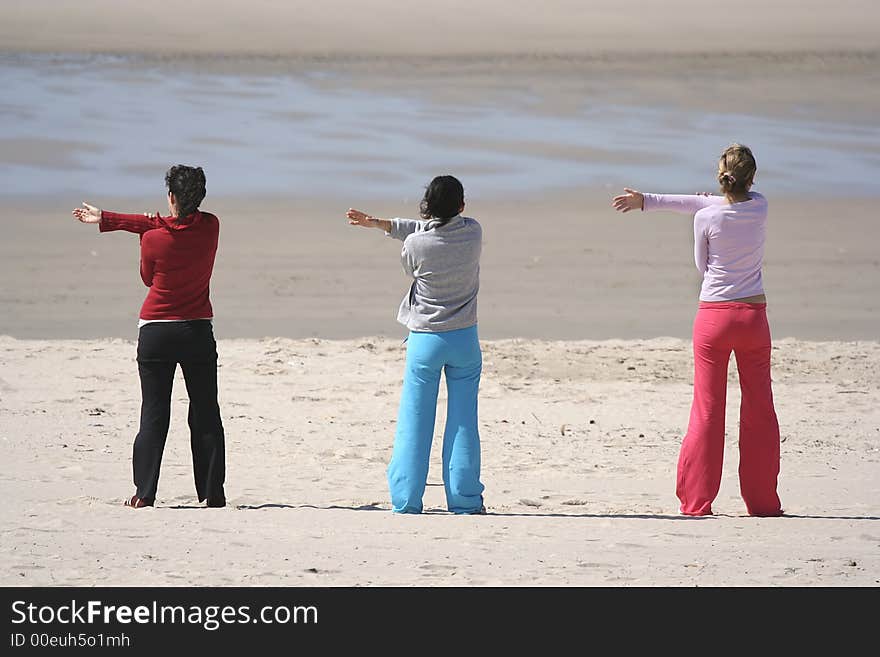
(580, 440)
(299, 112)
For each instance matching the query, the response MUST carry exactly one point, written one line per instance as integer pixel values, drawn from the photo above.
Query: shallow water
(85, 125)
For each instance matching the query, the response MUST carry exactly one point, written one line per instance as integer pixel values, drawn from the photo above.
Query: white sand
(580, 441)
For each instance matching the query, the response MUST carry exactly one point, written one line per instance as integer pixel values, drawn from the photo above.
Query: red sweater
(177, 258)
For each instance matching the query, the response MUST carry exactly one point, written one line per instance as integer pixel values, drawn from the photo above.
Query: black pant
(161, 346)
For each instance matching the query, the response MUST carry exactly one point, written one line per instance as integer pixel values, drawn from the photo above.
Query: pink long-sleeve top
(728, 241)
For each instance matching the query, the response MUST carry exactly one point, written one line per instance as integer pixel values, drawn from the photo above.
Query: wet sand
(463, 27)
(562, 268)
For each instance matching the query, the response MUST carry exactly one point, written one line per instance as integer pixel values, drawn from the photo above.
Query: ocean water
(77, 125)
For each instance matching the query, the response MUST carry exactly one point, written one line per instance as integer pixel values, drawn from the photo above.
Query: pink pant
(720, 328)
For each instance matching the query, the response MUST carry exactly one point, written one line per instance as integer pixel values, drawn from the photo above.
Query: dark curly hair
(444, 197)
(188, 186)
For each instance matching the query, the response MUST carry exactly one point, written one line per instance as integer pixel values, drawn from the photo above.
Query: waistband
(143, 322)
(731, 305)
(467, 329)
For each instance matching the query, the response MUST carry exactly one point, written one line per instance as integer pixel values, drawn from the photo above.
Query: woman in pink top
(732, 316)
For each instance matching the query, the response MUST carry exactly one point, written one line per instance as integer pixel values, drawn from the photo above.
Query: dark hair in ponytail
(444, 198)
(188, 186)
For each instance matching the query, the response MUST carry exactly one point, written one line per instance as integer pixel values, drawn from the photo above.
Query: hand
(632, 200)
(358, 218)
(88, 214)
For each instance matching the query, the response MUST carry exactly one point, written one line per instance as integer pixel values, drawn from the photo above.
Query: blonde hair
(736, 170)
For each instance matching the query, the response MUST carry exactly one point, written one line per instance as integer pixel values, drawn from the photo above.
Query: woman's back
(441, 253)
(729, 248)
(443, 259)
(729, 232)
(176, 263)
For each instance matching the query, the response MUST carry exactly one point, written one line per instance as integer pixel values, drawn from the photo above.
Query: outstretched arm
(632, 200)
(684, 203)
(397, 228)
(358, 218)
(107, 221)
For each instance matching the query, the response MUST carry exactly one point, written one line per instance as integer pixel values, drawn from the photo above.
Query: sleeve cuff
(394, 228)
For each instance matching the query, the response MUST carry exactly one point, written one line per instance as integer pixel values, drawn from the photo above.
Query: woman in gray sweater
(441, 253)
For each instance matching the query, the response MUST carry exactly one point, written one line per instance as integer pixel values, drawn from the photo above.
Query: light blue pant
(458, 354)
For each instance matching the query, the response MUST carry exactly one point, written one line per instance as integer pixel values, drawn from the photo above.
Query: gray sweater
(444, 263)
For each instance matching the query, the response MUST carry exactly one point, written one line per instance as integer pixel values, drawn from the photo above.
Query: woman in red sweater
(177, 259)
